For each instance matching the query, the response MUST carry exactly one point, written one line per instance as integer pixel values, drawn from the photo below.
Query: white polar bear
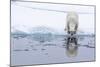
(72, 23)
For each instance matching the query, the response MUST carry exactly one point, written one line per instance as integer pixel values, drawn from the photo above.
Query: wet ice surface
(28, 51)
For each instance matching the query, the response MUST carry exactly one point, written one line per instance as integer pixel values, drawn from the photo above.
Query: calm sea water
(32, 50)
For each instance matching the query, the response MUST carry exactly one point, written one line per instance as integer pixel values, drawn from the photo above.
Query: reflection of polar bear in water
(72, 23)
(72, 46)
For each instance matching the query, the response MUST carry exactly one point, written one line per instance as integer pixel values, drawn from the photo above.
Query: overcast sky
(27, 17)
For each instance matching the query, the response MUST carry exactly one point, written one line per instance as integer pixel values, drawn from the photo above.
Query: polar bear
(72, 23)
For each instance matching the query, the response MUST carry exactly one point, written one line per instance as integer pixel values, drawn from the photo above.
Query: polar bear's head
(72, 17)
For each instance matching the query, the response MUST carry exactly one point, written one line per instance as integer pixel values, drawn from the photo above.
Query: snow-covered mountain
(84, 33)
(41, 30)
(18, 30)
(33, 30)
